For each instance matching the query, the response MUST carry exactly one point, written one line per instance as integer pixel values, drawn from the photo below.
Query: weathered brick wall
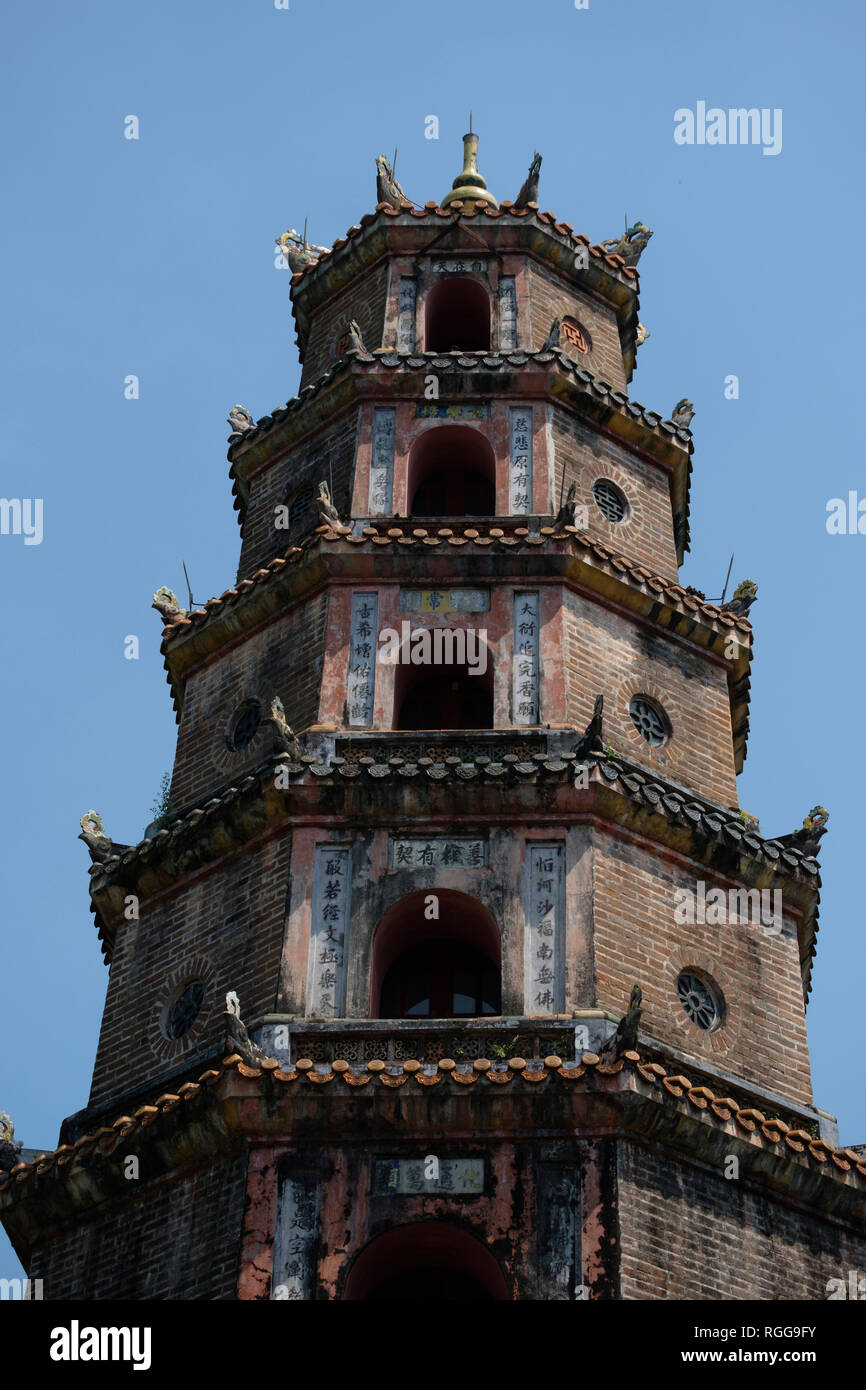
(284, 658)
(646, 534)
(619, 658)
(327, 457)
(687, 1234)
(173, 1240)
(637, 939)
(551, 297)
(363, 300)
(224, 927)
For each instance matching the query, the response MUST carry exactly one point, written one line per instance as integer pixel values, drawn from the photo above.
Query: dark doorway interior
(430, 1285)
(450, 699)
(442, 978)
(457, 317)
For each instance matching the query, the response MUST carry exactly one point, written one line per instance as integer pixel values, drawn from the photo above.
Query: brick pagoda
(428, 887)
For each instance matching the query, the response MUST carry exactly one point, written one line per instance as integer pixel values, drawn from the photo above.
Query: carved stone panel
(295, 1240)
(507, 313)
(382, 461)
(438, 852)
(326, 978)
(525, 658)
(520, 461)
(361, 683)
(544, 949)
(406, 316)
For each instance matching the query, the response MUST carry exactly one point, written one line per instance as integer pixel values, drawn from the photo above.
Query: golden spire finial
(469, 187)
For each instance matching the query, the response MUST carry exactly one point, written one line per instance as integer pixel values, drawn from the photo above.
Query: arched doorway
(457, 317)
(445, 967)
(426, 1261)
(452, 473)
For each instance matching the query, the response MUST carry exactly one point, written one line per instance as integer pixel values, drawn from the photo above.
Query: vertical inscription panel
(326, 979)
(382, 461)
(544, 949)
(295, 1241)
(361, 681)
(559, 1231)
(406, 316)
(525, 662)
(507, 312)
(520, 460)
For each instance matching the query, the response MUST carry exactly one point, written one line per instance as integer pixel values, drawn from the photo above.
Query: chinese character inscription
(520, 461)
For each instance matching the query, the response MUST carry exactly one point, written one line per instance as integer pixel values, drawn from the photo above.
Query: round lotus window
(650, 720)
(609, 500)
(244, 725)
(701, 1003)
(185, 1010)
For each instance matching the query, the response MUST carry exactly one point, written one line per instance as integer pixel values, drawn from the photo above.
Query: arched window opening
(457, 317)
(443, 697)
(452, 473)
(426, 1260)
(445, 967)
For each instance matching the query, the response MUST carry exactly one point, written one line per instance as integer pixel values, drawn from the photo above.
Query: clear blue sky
(155, 257)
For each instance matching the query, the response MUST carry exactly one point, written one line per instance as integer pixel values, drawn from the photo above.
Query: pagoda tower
(454, 970)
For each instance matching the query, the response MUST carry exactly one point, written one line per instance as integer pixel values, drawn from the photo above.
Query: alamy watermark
(434, 646)
(736, 126)
(77, 1343)
(853, 1287)
(738, 907)
(846, 518)
(22, 516)
(24, 1289)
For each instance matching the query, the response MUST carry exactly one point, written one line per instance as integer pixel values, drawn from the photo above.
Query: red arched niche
(452, 473)
(457, 316)
(404, 927)
(426, 1261)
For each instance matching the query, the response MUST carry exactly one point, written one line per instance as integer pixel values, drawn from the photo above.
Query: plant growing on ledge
(162, 810)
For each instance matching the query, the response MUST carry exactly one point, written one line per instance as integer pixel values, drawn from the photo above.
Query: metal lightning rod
(727, 577)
